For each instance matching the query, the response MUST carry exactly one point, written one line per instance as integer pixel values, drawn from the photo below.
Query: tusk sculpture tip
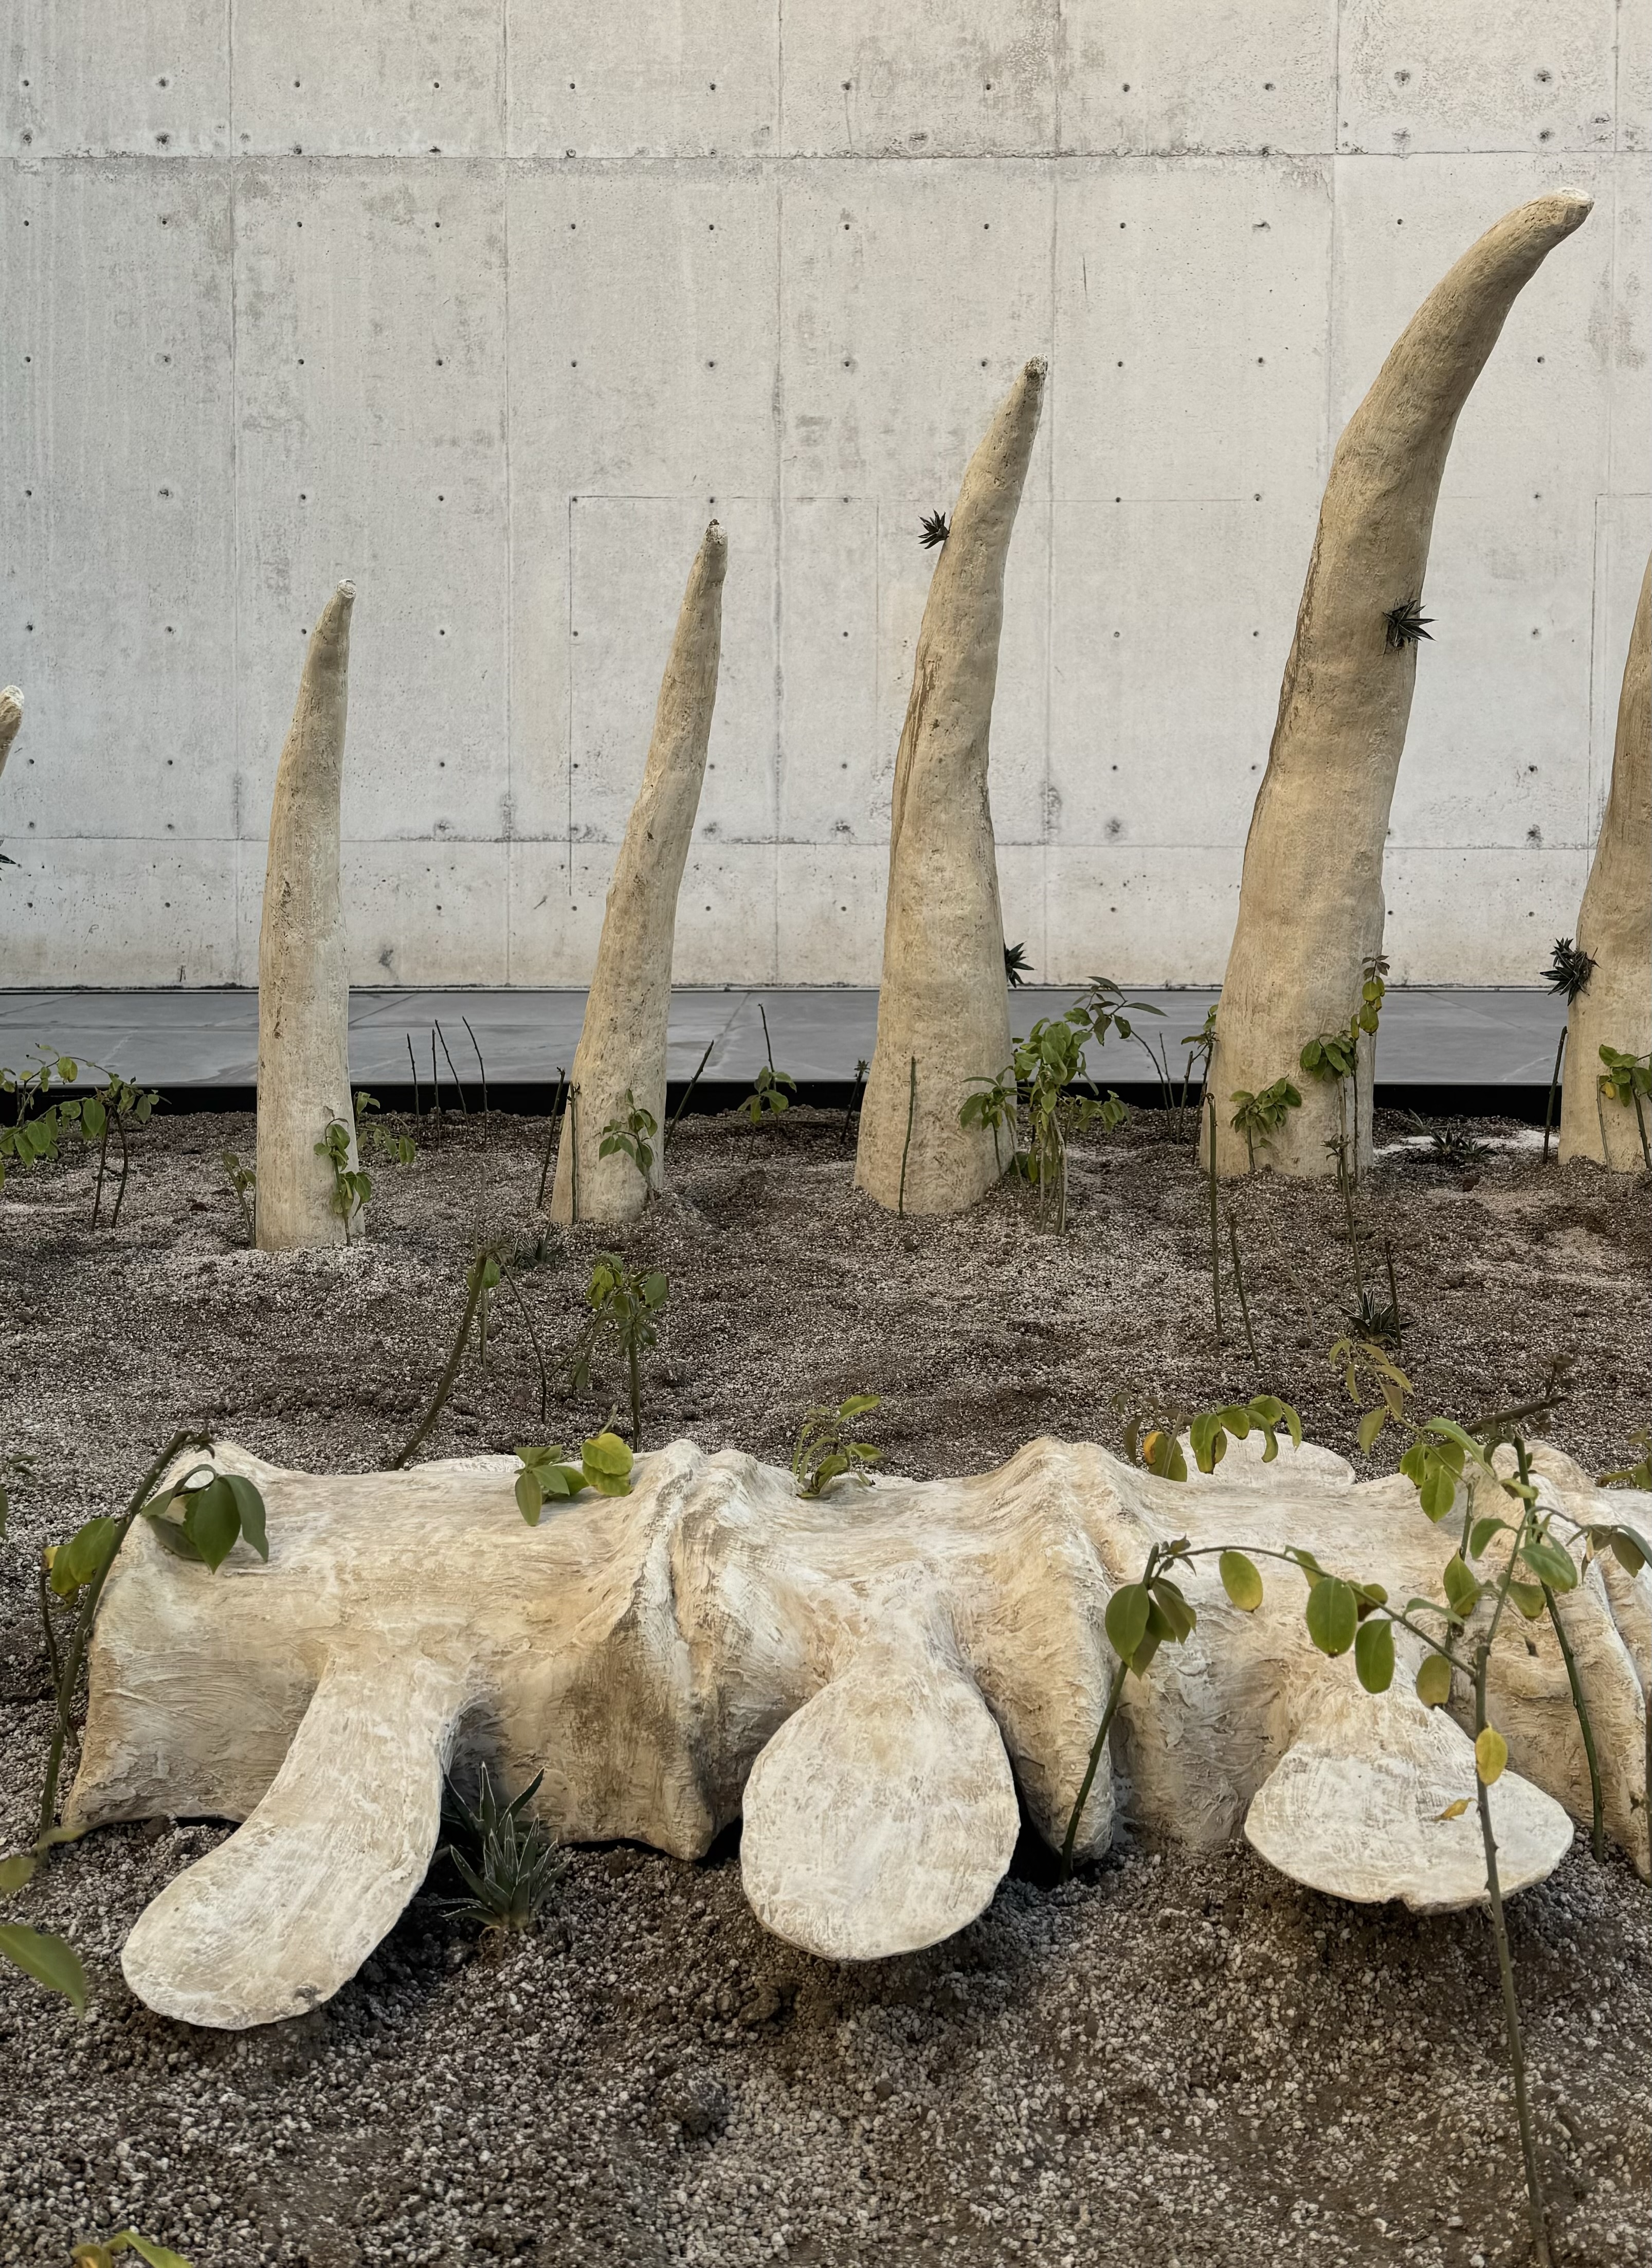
(347, 593)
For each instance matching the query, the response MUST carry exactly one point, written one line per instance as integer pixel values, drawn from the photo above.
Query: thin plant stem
(767, 1046)
(436, 1085)
(1639, 1120)
(103, 1161)
(854, 1097)
(444, 1385)
(683, 1103)
(550, 1140)
(1345, 1181)
(126, 1167)
(1506, 1976)
(453, 1067)
(1215, 1249)
(1097, 1749)
(81, 1630)
(635, 1362)
(481, 1066)
(911, 1106)
(1393, 1290)
(414, 1068)
(1239, 1284)
(573, 1155)
(52, 1653)
(539, 1353)
(1598, 1817)
(1554, 1084)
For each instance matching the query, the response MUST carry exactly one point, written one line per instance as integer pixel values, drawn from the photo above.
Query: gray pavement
(1431, 1036)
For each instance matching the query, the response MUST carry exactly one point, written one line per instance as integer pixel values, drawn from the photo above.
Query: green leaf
(1370, 1425)
(250, 1505)
(1439, 1490)
(156, 2256)
(173, 1536)
(212, 1521)
(1491, 1754)
(605, 1453)
(1128, 1613)
(1414, 1464)
(530, 1497)
(1626, 1549)
(1374, 1654)
(1172, 1604)
(1482, 1532)
(1460, 1588)
(1241, 1580)
(1434, 1681)
(654, 1289)
(1333, 1615)
(1207, 1440)
(49, 1961)
(83, 1557)
(1528, 1598)
(1550, 1563)
(18, 1870)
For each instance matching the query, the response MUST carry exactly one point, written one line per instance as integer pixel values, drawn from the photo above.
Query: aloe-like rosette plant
(943, 1008)
(1613, 1007)
(303, 975)
(620, 1062)
(517, 1870)
(1311, 897)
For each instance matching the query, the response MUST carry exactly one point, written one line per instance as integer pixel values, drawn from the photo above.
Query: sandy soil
(1178, 2060)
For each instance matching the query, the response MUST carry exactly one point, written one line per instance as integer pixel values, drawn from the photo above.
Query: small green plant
(243, 1178)
(632, 1136)
(50, 1961)
(825, 1450)
(1045, 1066)
(1017, 968)
(624, 1303)
(1260, 1118)
(517, 1870)
(1568, 971)
(773, 1089)
(37, 1123)
(1627, 1080)
(351, 1187)
(1451, 1145)
(486, 1272)
(116, 1105)
(548, 1475)
(104, 2253)
(394, 1149)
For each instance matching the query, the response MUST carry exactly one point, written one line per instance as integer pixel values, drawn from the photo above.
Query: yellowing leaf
(1491, 1754)
(1454, 1811)
(1434, 1681)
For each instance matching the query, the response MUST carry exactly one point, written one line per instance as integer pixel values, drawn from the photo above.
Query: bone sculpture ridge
(868, 1678)
(1615, 924)
(942, 1005)
(303, 974)
(10, 718)
(622, 1040)
(1310, 898)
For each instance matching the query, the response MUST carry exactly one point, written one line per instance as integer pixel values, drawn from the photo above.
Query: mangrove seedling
(1568, 971)
(688, 1091)
(853, 1103)
(1259, 1118)
(395, 1149)
(516, 1871)
(105, 2254)
(632, 1136)
(243, 1178)
(31, 1137)
(115, 1105)
(482, 1278)
(623, 1303)
(1627, 1080)
(549, 1476)
(771, 1094)
(351, 1187)
(824, 1449)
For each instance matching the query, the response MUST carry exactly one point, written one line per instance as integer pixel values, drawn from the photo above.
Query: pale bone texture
(10, 718)
(943, 1003)
(870, 1678)
(623, 1041)
(303, 975)
(1310, 899)
(1615, 924)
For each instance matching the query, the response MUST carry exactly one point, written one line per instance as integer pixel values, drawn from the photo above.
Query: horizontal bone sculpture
(868, 1678)
(1311, 897)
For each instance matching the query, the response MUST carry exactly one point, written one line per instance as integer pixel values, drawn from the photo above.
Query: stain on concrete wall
(488, 304)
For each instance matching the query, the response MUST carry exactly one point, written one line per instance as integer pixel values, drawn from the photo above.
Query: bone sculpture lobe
(943, 1006)
(303, 978)
(623, 1042)
(1310, 899)
(869, 1678)
(10, 718)
(1615, 924)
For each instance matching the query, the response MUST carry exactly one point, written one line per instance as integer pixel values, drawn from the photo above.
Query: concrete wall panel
(396, 78)
(86, 79)
(499, 302)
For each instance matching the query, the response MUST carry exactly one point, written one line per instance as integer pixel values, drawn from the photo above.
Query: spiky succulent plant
(1017, 968)
(935, 530)
(1406, 623)
(517, 1871)
(1570, 969)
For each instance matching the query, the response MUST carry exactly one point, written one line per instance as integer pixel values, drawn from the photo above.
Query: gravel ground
(1175, 2060)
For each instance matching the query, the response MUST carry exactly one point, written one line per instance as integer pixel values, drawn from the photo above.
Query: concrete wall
(489, 304)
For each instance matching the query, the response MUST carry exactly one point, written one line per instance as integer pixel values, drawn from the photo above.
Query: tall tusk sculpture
(869, 1678)
(1310, 900)
(943, 1012)
(1615, 925)
(10, 718)
(302, 978)
(622, 1047)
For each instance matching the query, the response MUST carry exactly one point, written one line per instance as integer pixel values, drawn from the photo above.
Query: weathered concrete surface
(302, 988)
(620, 1063)
(381, 320)
(1615, 925)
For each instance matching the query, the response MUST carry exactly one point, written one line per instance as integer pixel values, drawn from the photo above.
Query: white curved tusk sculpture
(10, 718)
(943, 1008)
(622, 1047)
(1615, 924)
(1310, 900)
(869, 1678)
(303, 974)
